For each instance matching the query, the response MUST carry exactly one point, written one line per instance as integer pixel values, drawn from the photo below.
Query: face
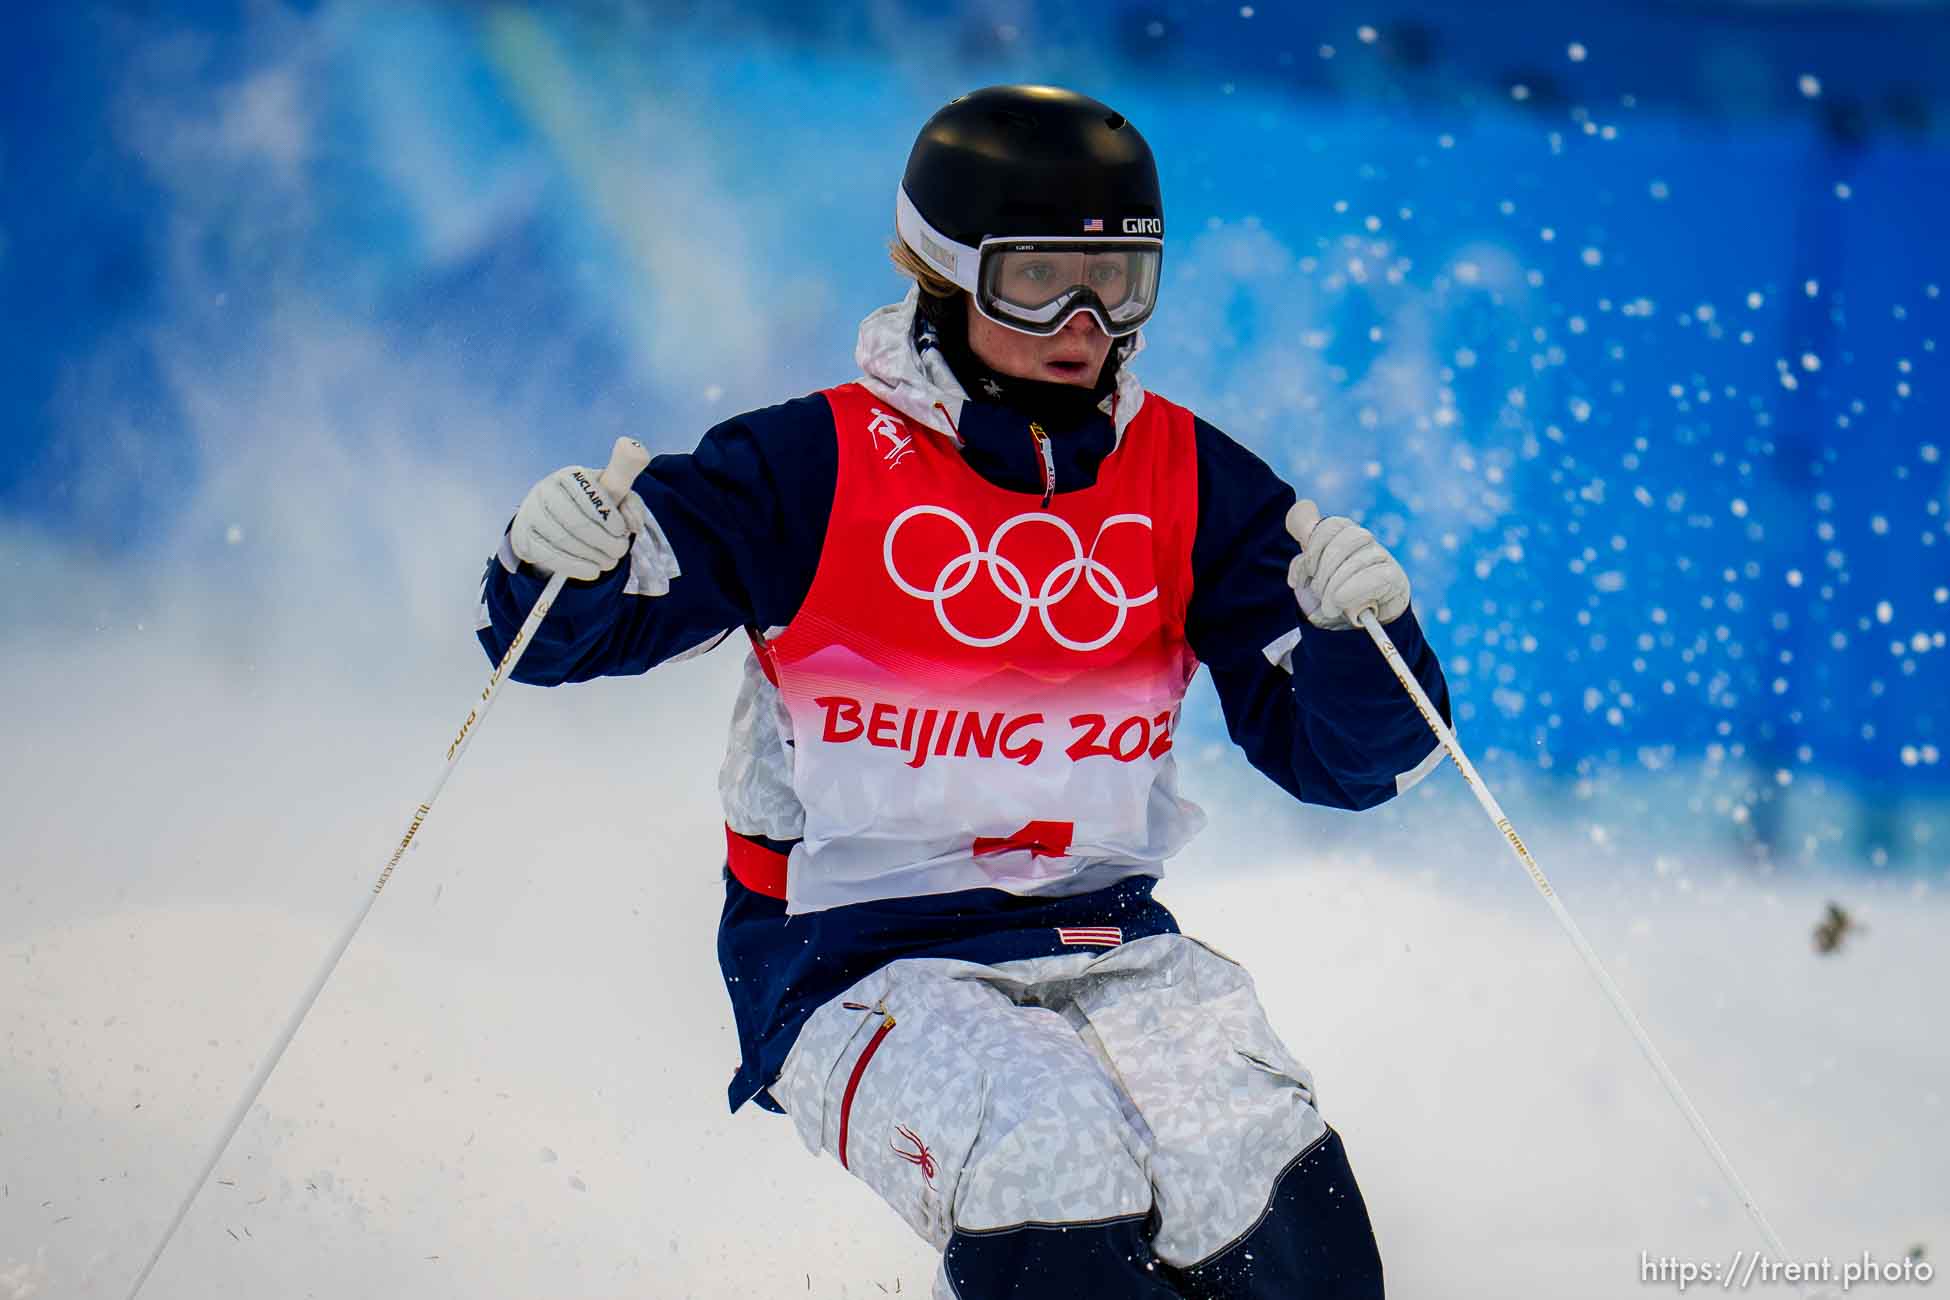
(1073, 355)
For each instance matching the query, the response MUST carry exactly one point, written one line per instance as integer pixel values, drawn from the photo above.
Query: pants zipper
(853, 1080)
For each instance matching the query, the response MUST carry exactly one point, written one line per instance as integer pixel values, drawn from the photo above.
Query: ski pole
(626, 460)
(1386, 645)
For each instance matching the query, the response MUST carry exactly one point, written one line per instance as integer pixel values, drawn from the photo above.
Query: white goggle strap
(958, 262)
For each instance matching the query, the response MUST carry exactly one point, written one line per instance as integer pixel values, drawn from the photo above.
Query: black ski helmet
(1033, 166)
(1032, 160)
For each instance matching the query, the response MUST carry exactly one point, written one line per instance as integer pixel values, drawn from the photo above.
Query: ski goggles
(1036, 284)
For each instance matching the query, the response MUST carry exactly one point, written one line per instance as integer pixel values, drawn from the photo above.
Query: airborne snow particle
(1884, 611)
(1367, 34)
(1520, 92)
(1661, 190)
(1843, 190)
(1592, 257)
(1810, 362)
(234, 535)
(1577, 52)
(1754, 300)
(1810, 85)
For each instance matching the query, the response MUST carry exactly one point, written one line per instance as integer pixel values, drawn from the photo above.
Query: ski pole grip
(627, 459)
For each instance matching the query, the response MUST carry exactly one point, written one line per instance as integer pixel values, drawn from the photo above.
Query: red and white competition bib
(981, 691)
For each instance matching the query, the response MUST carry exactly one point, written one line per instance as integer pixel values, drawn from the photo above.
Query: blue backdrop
(1627, 327)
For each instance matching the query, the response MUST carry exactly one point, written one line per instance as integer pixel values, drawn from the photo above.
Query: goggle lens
(1037, 288)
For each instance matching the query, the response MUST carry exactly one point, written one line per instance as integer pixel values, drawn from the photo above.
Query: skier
(976, 582)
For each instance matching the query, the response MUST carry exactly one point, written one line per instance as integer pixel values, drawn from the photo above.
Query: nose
(1081, 324)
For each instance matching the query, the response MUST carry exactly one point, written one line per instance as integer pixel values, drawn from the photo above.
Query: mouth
(1068, 368)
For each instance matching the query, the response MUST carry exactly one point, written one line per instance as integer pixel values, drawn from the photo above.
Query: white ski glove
(1342, 570)
(567, 524)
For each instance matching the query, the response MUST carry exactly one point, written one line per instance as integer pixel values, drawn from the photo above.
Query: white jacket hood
(922, 387)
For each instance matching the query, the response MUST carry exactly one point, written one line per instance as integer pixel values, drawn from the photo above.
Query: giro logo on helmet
(1008, 579)
(1144, 226)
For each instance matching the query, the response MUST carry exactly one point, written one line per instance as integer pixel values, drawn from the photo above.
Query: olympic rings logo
(1010, 581)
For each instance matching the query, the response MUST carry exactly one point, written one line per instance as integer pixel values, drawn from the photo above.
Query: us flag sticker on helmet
(1093, 225)
(1090, 936)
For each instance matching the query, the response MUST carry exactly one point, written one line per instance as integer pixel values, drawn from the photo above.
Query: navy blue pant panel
(1037, 1261)
(1315, 1242)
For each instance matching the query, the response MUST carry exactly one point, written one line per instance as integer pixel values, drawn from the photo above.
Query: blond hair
(910, 264)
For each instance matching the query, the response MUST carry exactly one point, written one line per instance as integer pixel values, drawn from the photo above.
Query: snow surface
(513, 1087)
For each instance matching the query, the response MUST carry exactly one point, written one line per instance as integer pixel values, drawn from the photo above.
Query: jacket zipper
(853, 1080)
(1046, 458)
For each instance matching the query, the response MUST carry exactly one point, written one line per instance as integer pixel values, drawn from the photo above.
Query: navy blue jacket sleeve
(745, 515)
(1337, 729)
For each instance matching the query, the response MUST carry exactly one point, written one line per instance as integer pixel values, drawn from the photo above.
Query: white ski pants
(1142, 1083)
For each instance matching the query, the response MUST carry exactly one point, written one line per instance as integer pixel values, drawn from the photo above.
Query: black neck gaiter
(942, 323)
